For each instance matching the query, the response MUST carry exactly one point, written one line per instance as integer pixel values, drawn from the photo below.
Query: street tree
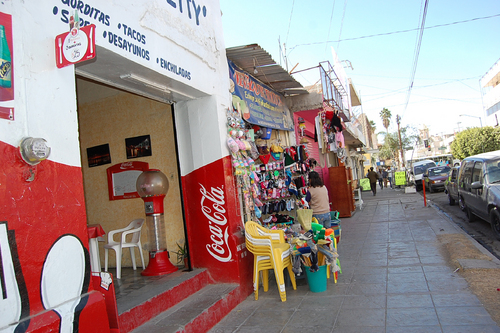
(390, 148)
(385, 115)
(477, 140)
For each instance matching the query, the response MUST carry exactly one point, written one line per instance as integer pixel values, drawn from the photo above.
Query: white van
(418, 169)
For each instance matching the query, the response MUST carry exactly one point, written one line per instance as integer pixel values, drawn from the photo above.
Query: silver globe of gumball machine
(152, 186)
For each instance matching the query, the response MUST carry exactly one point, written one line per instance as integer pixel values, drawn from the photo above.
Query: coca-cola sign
(213, 208)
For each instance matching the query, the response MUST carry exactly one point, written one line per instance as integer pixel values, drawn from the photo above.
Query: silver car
(479, 188)
(451, 185)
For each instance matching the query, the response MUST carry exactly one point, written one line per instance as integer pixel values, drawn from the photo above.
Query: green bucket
(316, 280)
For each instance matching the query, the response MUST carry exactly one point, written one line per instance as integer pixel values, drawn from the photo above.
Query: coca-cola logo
(212, 206)
(126, 165)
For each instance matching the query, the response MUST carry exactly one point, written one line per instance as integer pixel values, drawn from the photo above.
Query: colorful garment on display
(339, 139)
(267, 173)
(336, 122)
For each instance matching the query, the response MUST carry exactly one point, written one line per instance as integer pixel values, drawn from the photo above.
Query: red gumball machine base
(159, 264)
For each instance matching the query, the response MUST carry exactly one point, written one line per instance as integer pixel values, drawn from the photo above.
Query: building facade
(87, 85)
(490, 89)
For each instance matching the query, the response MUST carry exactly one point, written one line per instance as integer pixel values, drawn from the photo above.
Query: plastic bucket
(316, 280)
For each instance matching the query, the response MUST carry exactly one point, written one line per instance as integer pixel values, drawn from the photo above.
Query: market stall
(309, 250)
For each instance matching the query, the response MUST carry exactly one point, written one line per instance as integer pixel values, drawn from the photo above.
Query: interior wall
(108, 115)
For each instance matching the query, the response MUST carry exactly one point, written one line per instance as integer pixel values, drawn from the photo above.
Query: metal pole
(398, 118)
(423, 189)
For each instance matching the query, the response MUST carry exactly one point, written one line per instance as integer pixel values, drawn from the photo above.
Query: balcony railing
(333, 90)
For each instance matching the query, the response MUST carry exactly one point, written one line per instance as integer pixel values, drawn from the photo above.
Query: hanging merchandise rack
(271, 179)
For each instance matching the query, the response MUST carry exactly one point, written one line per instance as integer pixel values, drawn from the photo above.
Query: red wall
(214, 224)
(39, 205)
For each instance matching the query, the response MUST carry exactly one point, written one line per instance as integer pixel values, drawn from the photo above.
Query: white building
(490, 90)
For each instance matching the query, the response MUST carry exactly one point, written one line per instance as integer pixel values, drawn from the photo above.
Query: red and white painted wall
(44, 267)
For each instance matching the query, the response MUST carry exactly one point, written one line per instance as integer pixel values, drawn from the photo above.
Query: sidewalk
(394, 279)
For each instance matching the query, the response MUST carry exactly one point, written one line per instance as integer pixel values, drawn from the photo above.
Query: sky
(379, 39)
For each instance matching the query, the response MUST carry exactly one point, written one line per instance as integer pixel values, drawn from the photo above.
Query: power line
(396, 32)
(341, 25)
(418, 87)
(331, 20)
(289, 22)
(429, 98)
(415, 58)
(422, 78)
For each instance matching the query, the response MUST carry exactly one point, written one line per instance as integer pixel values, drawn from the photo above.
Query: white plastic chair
(134, 229)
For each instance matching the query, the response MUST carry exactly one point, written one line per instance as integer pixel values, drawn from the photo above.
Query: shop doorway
(109, 118)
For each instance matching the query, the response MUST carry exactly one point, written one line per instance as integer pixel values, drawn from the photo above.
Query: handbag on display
(263, 150)
(254, 152)
(304, 217)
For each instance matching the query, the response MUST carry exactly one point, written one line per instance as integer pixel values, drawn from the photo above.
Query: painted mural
(6, 68)
(14, 302)
(45, 283)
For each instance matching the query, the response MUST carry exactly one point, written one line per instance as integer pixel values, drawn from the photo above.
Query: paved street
(480, 230)
(395, 278)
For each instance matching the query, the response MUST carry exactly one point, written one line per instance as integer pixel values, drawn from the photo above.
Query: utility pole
(398, 119)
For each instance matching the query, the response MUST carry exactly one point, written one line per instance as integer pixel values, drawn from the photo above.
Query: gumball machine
(152, 186)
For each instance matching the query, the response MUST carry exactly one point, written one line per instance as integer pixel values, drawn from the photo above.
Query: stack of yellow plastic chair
(270, 252)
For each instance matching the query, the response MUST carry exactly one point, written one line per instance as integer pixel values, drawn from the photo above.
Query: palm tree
(373, 125)
(386, 115)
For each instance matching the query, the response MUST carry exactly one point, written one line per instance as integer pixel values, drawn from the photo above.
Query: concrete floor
(394, 279)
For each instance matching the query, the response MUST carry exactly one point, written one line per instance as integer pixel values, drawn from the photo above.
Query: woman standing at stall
(317, 196)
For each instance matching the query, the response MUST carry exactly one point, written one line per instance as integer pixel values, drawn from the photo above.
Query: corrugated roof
(252, 57)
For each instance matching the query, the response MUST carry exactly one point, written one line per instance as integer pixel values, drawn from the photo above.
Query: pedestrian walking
(384, 177)
(380, 179)
(373, 177)
(390, 176)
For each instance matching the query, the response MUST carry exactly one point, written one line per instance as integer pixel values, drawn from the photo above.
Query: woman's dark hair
(315, 180)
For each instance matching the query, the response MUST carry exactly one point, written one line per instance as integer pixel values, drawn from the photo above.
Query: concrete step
(156, 295)
(197, 313)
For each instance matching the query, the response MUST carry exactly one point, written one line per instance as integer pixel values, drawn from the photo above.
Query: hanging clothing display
(272, 180)
(329, 130)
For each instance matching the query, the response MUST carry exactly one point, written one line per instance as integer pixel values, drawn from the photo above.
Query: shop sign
(400, 178)
(75, 46)
(121, 33)
(365, 184)
(257, 103)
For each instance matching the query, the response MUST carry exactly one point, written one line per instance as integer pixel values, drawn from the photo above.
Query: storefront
(271, 166)
(154, 89)
(323, 119)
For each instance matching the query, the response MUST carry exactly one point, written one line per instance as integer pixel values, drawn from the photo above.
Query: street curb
(493, 263)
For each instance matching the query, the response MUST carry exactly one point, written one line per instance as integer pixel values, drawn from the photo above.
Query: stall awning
(258, 63)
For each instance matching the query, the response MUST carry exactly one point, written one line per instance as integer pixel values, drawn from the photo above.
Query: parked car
(418, 169)
(479, 188)
(451, 185)
(434, 178)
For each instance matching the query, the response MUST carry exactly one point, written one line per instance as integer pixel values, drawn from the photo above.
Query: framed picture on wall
(138, 147)
(98, 155)
(122, 179)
